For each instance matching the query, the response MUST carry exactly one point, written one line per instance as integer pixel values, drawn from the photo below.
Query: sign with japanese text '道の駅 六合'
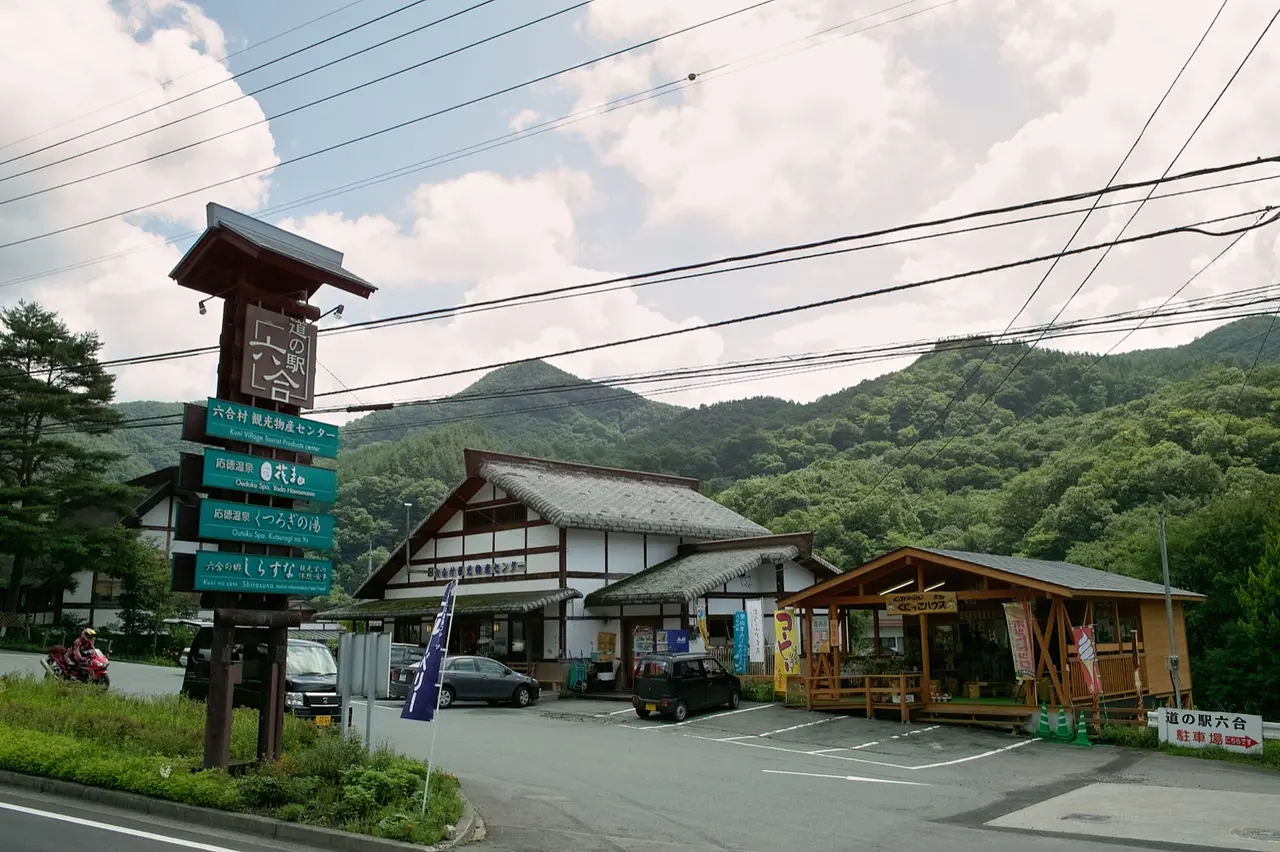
(237, 422)
(265, 525)
(1238, 732)
(920, 603)
(279, 358)
(261, 574)
(257, 475)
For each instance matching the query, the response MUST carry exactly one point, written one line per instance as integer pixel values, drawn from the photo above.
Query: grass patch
(757, 691)
(1148, 738)
(153, 746)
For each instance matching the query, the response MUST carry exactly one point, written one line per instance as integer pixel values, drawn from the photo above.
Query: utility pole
(370, 574)
(407, 507)
(1168, 612)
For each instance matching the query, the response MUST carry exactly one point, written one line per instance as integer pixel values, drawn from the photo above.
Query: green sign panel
(271, 575)
(257, 475)
(237, 422)
(265, 525)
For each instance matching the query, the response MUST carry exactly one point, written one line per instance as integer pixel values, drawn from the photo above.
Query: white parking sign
(1238, 732)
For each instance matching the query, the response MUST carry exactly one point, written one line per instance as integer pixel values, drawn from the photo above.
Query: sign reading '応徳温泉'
(257, 475)
(237, 422)
(271, 575)
(265, 525)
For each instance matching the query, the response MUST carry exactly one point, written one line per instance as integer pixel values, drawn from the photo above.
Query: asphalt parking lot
(582, 774)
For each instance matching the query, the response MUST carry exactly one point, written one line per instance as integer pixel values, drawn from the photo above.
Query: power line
(398, 126)
(211, 64)
(1256, 358)
(235, 76)
(1230, 306)
(283, 113)
(955, 397)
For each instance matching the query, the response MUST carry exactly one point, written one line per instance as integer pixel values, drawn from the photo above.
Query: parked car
(311, 674)
(403, 656)
(676, 685)
(478, 679)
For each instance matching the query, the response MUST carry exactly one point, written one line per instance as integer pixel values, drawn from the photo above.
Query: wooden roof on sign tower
(1064, 579)
(296, 265)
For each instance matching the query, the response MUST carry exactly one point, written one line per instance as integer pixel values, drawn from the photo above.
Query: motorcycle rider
(82, 649)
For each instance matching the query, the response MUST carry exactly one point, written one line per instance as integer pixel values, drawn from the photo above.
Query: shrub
(758, 691)
(154, 747)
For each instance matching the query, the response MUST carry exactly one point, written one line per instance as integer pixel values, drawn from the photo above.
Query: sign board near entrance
(257, 475)
(279, 358)
(270, 575)
(265, 525)
(920, 603)
(1238, 732)
(236, 422)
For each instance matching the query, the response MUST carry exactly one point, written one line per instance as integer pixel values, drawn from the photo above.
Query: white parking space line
(798, 727)
(913, 733)
(118, 829)
(848, 778)
(616, 712)
(845, 748)
(698, 719)
(827, 754)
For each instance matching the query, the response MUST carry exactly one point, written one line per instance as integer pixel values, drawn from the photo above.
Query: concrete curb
(248, 824)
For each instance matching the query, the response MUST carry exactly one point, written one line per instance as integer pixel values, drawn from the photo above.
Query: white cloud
(524, 118)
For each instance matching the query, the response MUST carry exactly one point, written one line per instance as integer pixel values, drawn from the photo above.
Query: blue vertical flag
(421, 703)
(740, 642)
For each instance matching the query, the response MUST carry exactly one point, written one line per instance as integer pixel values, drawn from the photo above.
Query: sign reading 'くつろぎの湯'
(265, 525)
(257, 475)
(237, 422)
(263, 574)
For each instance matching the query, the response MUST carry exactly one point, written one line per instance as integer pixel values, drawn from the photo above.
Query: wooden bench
(551, 676)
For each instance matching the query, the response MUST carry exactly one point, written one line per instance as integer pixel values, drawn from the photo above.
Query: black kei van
(311, 674)
(677, 684)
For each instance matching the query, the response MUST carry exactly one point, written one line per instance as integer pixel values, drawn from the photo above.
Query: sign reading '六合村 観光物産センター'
(265, 525)
(257, 475)
(271, 575)
(237, 422)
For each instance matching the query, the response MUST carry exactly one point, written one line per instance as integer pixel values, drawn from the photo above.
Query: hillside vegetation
(1067, 460)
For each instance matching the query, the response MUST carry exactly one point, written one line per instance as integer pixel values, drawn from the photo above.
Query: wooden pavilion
(969, 658)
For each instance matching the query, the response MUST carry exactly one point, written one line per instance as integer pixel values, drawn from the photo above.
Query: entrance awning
(517, 603)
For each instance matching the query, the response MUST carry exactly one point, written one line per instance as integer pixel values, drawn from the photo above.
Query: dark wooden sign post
(266, 278)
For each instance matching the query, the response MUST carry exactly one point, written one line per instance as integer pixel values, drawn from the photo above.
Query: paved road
(580, 775)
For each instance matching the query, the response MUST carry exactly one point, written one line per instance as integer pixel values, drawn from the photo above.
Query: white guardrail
(1270, 730)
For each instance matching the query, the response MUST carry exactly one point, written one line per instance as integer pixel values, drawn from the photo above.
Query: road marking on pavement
(912, 733)
(848, 778)
(826, 753)
(118, 829)
(798, 727)
(844, 748)
(668, 727)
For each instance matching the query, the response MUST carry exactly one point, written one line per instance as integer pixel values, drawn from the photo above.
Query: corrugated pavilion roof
(1066, 574)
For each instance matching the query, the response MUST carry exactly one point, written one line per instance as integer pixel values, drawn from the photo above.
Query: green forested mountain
(1067, 460)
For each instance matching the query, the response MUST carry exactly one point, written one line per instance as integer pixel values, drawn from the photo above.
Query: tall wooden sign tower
(258, 461)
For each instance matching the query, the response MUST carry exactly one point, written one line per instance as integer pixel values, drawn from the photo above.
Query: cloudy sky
(809, 119)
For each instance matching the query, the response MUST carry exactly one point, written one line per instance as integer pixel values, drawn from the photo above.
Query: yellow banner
(786, 650)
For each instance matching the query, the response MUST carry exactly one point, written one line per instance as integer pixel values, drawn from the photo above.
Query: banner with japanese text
(425, 693)
(755, 630)
(1021, 638)
(786, 650)
(1088, 654)
(740, 642)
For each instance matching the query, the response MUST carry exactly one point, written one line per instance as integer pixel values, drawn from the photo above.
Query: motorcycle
(58, 664)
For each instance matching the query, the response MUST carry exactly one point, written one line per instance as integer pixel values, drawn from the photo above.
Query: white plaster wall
(84, 589)
(659, 549)
(626, 553)
(585, 550)
(551, 634)
(581, 635)
(543, 536)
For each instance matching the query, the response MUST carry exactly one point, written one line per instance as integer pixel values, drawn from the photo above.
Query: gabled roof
(428, 606)
(1066, 574)
(578, 496)
(700, 568)
(1059, 578)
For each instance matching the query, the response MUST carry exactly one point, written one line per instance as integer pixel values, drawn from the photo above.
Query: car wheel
(446, 697)
(681, 711)
(734, 700)
(522, 696)
(642, 713)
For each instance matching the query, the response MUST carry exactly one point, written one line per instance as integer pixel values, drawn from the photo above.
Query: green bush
(757, 691)
(154, 747)
(1130, 736)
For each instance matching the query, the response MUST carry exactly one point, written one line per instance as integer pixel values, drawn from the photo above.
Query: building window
(105, 589)
(493, 517)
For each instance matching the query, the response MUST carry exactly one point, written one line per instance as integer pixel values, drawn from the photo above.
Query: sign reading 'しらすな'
(257, 475)
(265, 525)
(237, 422)
(270, 575)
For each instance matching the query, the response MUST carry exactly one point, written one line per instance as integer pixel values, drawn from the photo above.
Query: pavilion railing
(1115, 672)
(871, 692)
